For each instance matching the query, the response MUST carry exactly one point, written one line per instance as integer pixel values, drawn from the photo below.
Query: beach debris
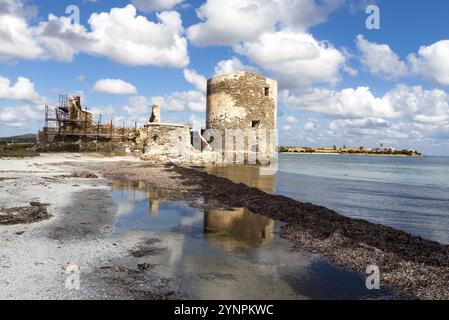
(84, 175)
(143, 266)
(35, 212)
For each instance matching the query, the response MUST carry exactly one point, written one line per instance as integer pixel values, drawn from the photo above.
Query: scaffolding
(60, 123)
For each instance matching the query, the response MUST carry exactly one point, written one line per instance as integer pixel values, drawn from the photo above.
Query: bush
(18, 153)
(18, 146)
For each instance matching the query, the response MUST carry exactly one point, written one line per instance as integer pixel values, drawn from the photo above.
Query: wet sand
(34, 254)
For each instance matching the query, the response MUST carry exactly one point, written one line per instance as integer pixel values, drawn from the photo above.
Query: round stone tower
(241, 100)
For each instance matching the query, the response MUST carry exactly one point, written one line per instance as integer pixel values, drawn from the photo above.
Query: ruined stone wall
(76, 113)
(166, 142)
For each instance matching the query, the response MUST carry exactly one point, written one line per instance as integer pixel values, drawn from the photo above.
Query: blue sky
(340, 83)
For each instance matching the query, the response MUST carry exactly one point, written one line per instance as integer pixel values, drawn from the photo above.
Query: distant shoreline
(353, 154)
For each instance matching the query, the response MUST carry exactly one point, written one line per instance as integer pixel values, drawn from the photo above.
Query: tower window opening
(255, 124)
(267, 91)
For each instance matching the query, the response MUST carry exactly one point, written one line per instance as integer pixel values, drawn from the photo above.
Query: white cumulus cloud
(432, 62)
(114, 86)
(23, 89)
(120, 35)
(295, 58)
(16, 36)
(291, 120)
(155, 5)
(21, 116)
(198, 80)
(232, 21)
(230, 66)
(380, 60)
(182, 101)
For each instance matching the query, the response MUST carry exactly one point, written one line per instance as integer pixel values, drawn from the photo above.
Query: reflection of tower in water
(238, 229)
(155, 197)
(231, 229)
(251, 175)
(154, 207)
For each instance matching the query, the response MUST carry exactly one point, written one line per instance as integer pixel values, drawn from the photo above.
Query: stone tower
(241, 100)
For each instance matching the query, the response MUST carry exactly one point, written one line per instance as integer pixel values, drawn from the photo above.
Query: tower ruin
(240, 101)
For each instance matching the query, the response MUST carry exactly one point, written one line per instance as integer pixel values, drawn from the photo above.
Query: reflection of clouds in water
(219, 274)
(172, 261)
(127, 199)
(279, 255)
(135, 195)
(125, 208)
(191, 221)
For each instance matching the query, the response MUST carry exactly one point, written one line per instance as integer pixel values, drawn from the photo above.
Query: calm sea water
(411, 194)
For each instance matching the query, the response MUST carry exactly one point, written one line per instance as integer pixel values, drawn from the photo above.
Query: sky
(341, 82)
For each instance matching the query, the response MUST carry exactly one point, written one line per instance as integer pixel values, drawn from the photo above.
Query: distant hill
(22, 138)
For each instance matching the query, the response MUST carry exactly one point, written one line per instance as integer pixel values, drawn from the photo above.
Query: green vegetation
(18, 150)
(351, 151)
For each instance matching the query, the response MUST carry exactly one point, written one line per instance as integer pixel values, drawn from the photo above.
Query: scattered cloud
(232, 65)
(380, 60)
(182, 101)
(291, 120)
(114, 86)
(233, 21)
(16, 34)
(432, 63)
(19, 117)
(296, 59)
(148, 6)
(23, 90)
(310, 126)
(414, 103)
(137, 109)
(121, 35)
(199, 81)
(408, 113)
(359, 123)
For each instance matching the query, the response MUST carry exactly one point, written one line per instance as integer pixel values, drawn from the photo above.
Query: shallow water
(222, 254)
(410, 194)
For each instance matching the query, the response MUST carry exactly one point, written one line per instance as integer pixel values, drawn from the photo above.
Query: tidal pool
(223, 254)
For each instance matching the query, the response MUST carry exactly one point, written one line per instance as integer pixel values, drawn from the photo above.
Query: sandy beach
(34, 256)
